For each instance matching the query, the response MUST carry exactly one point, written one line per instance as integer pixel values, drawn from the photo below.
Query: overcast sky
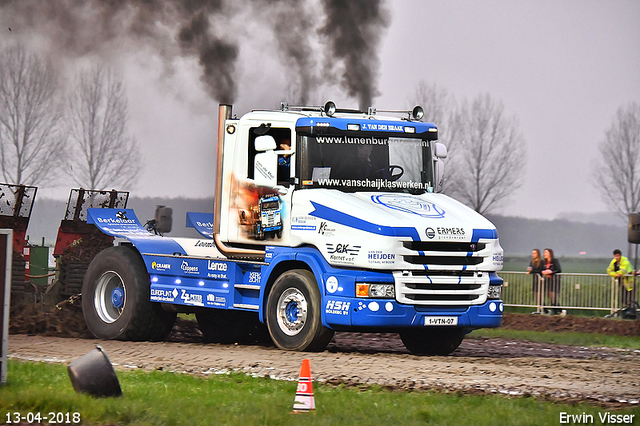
(562, 67)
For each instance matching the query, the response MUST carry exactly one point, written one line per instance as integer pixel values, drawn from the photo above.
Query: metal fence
(577, 291)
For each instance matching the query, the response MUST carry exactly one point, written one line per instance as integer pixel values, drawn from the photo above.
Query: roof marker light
(355, 127)
(330, 108)
(409, 129)
(417, 113)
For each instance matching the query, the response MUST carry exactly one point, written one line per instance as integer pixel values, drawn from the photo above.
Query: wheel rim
(292, 311)
(110, 297)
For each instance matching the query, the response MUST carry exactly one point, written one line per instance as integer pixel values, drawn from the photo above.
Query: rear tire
(432, 341)
(115, 298)
(294, 313)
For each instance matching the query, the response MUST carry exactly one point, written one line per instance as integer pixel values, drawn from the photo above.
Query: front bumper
(387, 313)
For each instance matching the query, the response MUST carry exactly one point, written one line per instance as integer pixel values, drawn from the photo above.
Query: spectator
(621, 270)
(284, 162)
(535, 268)
(551, 276)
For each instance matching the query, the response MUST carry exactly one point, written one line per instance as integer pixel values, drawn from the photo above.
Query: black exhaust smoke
(354, 29)
(172, 28)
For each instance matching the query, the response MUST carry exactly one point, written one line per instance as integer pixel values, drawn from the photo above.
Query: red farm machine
(78, 242)
(16, 204)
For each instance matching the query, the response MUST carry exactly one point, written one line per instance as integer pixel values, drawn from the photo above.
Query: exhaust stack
(224, 113)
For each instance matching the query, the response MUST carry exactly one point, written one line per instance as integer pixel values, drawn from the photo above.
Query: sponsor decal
(189, 269)
(217, 266)
(332, 284)
(324, 229)
(409, 204)
(160, 266)
(446, 233)
(498, 259)
(191, 299)
(214, 300)
(379, 257)
(122, 215)
(342, 253)
(255, 277)
(302, 219)
(217, 270)
(117, 220)
(343, 248)
(303, 227)
(160, 295)
(205, 243)
(264, 171)
(451, 233)
(337, 307)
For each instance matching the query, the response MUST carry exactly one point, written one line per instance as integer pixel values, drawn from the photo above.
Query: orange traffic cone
(304, 401)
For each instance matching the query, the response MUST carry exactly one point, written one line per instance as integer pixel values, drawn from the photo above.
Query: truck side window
(283, 151)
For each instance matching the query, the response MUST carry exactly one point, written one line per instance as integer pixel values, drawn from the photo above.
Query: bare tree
(439, 106)
(31, 139)
(105, 155)
(617, 174)
(489, 157)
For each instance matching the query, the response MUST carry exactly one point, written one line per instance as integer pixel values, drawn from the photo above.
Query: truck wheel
(115, 298)
(432, 341)
(293, 313)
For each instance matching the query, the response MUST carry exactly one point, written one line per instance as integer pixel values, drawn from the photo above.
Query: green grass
(562, 338)
(161, 398)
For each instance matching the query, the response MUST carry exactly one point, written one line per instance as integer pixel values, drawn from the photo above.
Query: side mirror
(438, 174)
(265, 163)
(265, 143)
(440, 150)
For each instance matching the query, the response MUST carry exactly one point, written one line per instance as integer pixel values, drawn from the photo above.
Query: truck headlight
(375, 291)
(495, 292)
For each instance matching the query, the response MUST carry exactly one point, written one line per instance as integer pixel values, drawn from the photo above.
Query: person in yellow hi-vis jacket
(621, 269)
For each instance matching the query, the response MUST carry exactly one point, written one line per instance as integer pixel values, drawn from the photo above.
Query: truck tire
(433, 340)
(115, 298)
(225, 326)
(294, 313)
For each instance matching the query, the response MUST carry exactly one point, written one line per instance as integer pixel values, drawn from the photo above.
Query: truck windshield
(359, 162)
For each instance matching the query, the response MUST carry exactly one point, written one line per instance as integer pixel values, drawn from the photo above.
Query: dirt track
(608, 377)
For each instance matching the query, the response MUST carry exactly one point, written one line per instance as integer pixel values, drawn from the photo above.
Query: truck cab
(325, 220)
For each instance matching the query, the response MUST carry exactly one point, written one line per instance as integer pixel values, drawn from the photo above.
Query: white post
(6, 259)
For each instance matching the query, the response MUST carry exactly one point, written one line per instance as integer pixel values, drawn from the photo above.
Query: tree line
(52, 130)
(487, 151)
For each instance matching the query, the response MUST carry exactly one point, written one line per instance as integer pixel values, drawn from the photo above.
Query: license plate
(440, 320)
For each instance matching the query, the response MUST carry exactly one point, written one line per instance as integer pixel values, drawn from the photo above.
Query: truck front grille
(444, 246)
(446, 254)
(453, 288)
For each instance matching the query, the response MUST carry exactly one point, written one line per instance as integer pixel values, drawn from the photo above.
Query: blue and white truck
(363, 241)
